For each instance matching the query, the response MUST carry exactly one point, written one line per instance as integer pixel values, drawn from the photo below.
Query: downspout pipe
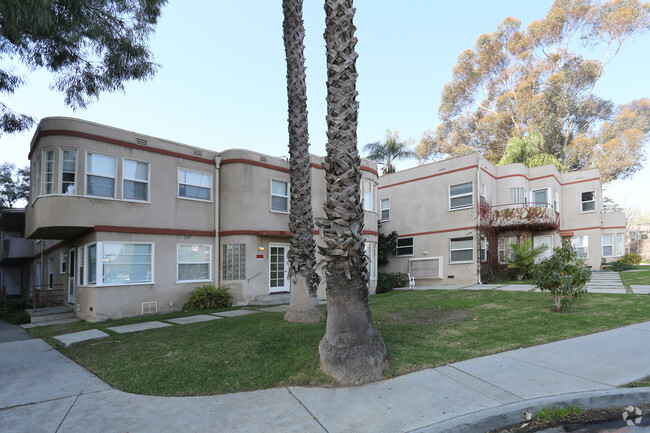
(478, 220)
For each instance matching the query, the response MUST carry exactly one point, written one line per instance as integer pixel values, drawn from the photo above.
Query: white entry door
(278, 268)
(72, 266)
(543, 240)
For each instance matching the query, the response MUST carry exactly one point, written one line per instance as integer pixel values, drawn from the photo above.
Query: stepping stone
(235, 313)
(481, 287)
(601, 290)
(193, 319)
(276, 309)
(517, 287)
(642, 288)
(78, 337)
(138, 327)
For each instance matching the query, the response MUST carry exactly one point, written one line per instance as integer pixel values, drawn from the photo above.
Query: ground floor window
(194, 262)
(461, 250)
(120, 263)
(404, 247)
(234, 262)
(484, 248)
(371, 255)
(581, 245)
(613, 245)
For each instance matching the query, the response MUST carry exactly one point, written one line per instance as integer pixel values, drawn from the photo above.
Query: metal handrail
(38, 287)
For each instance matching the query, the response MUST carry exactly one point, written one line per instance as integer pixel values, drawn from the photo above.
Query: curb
(503, 416)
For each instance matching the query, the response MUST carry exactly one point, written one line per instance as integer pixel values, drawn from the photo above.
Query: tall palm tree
(392, 149)
(351, 350)
(303, 306)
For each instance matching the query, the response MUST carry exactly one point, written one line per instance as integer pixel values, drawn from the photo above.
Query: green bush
(386, 282)
(208, 297)
(620, 266)
(631, 259)
(562, 274)
(11, 306)
(18, 317)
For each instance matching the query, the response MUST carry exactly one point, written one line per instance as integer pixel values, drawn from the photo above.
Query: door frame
(286, 287)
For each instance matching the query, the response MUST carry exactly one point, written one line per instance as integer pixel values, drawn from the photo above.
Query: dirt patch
(571, 423)
(432, 316)
(491, 306)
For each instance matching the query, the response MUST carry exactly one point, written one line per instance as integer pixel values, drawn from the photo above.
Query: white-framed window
(581, 245)
(48, 172)
(484, 249)
(63, 262)
(279, 196)
(501, 250)
(588, 201)
(194, 262)
(517, 195)
(385, 209)
(540, 197)
(100, 175)
(34, 184)
(135, 180)
(620, 244)
(126, 263)
(80, 266)
(194, 185)
(461, 196)
(404, 247)
(234, 262)
(68, 171)
(371, 255)
(556, 204)
(461, 250)
(482, 192)
(613, 245)
(50, 272)
(368, 194)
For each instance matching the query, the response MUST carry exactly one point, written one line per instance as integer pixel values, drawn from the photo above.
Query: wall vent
(150, 307)
(198, 153)
(263, 158)
(141, 141)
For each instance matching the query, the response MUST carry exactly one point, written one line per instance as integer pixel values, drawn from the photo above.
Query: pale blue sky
(222, 81)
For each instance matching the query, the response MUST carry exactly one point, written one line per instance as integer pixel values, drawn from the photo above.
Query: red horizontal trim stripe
(154, 231)
(537, 178)
(257, 163)
(430, 176)
(68, 133)
(275, 233)
(50, 249)
(437, 231)
(595, 228)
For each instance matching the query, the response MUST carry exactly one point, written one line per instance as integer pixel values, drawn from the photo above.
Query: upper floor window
(68, 171)
(461, 196)
(385, 209)
(588, 201)
(540, 197)
(517, 195)
(581, 245)
(279, 196)
(48, 171)
(556, 204)
(100, 175)
(404, 247)
(194, 185)
(368, 194)
(461, 250)
(482, 193)
(135, 180)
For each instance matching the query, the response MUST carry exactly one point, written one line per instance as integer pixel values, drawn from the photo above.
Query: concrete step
(51, 314)
(273, 299)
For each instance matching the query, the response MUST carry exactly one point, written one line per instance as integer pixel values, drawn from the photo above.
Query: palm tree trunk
(303, 305)
(352, 351)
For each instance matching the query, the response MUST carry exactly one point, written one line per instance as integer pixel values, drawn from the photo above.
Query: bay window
(100, 175)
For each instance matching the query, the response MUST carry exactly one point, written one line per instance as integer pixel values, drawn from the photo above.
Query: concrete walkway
(43, 391)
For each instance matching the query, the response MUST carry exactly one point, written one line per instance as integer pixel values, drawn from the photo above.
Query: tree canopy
(14, 184)
(517, 81)
(527, 150)
(90, 46)
(390, 150)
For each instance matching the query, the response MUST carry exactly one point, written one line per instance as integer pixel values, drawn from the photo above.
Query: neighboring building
(15, 254)
(454, 217)
(638, 240)
(132, 224)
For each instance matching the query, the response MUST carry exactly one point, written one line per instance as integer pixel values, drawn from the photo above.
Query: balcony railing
(520, 216)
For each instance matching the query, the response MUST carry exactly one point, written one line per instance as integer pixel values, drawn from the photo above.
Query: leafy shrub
(386, 247)
(525, 255)
(631, 259)
(9, 307)
(620, 266)
(496, 274)
(562, 274)
(386, 282)
(208, 297)
(18, 317)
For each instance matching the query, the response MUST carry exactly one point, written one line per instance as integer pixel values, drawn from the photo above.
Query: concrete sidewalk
(43, 391)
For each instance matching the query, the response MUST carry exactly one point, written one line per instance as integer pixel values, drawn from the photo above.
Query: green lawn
(421, 329)
(640, 276)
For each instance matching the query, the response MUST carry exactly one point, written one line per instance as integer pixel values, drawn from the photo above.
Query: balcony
(16, 250)
(519, 216)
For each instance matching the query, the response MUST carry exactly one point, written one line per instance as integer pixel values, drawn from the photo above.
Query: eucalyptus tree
(351, 350)
(304, 306)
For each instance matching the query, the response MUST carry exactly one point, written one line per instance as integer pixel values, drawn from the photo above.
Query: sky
(222, 82)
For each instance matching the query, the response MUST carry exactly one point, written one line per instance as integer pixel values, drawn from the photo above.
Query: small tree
(562, 274)
(14, 184)
(524, 257)
(386, 247)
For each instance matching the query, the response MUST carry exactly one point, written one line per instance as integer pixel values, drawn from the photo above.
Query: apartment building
(458, 216)
(130, 224)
